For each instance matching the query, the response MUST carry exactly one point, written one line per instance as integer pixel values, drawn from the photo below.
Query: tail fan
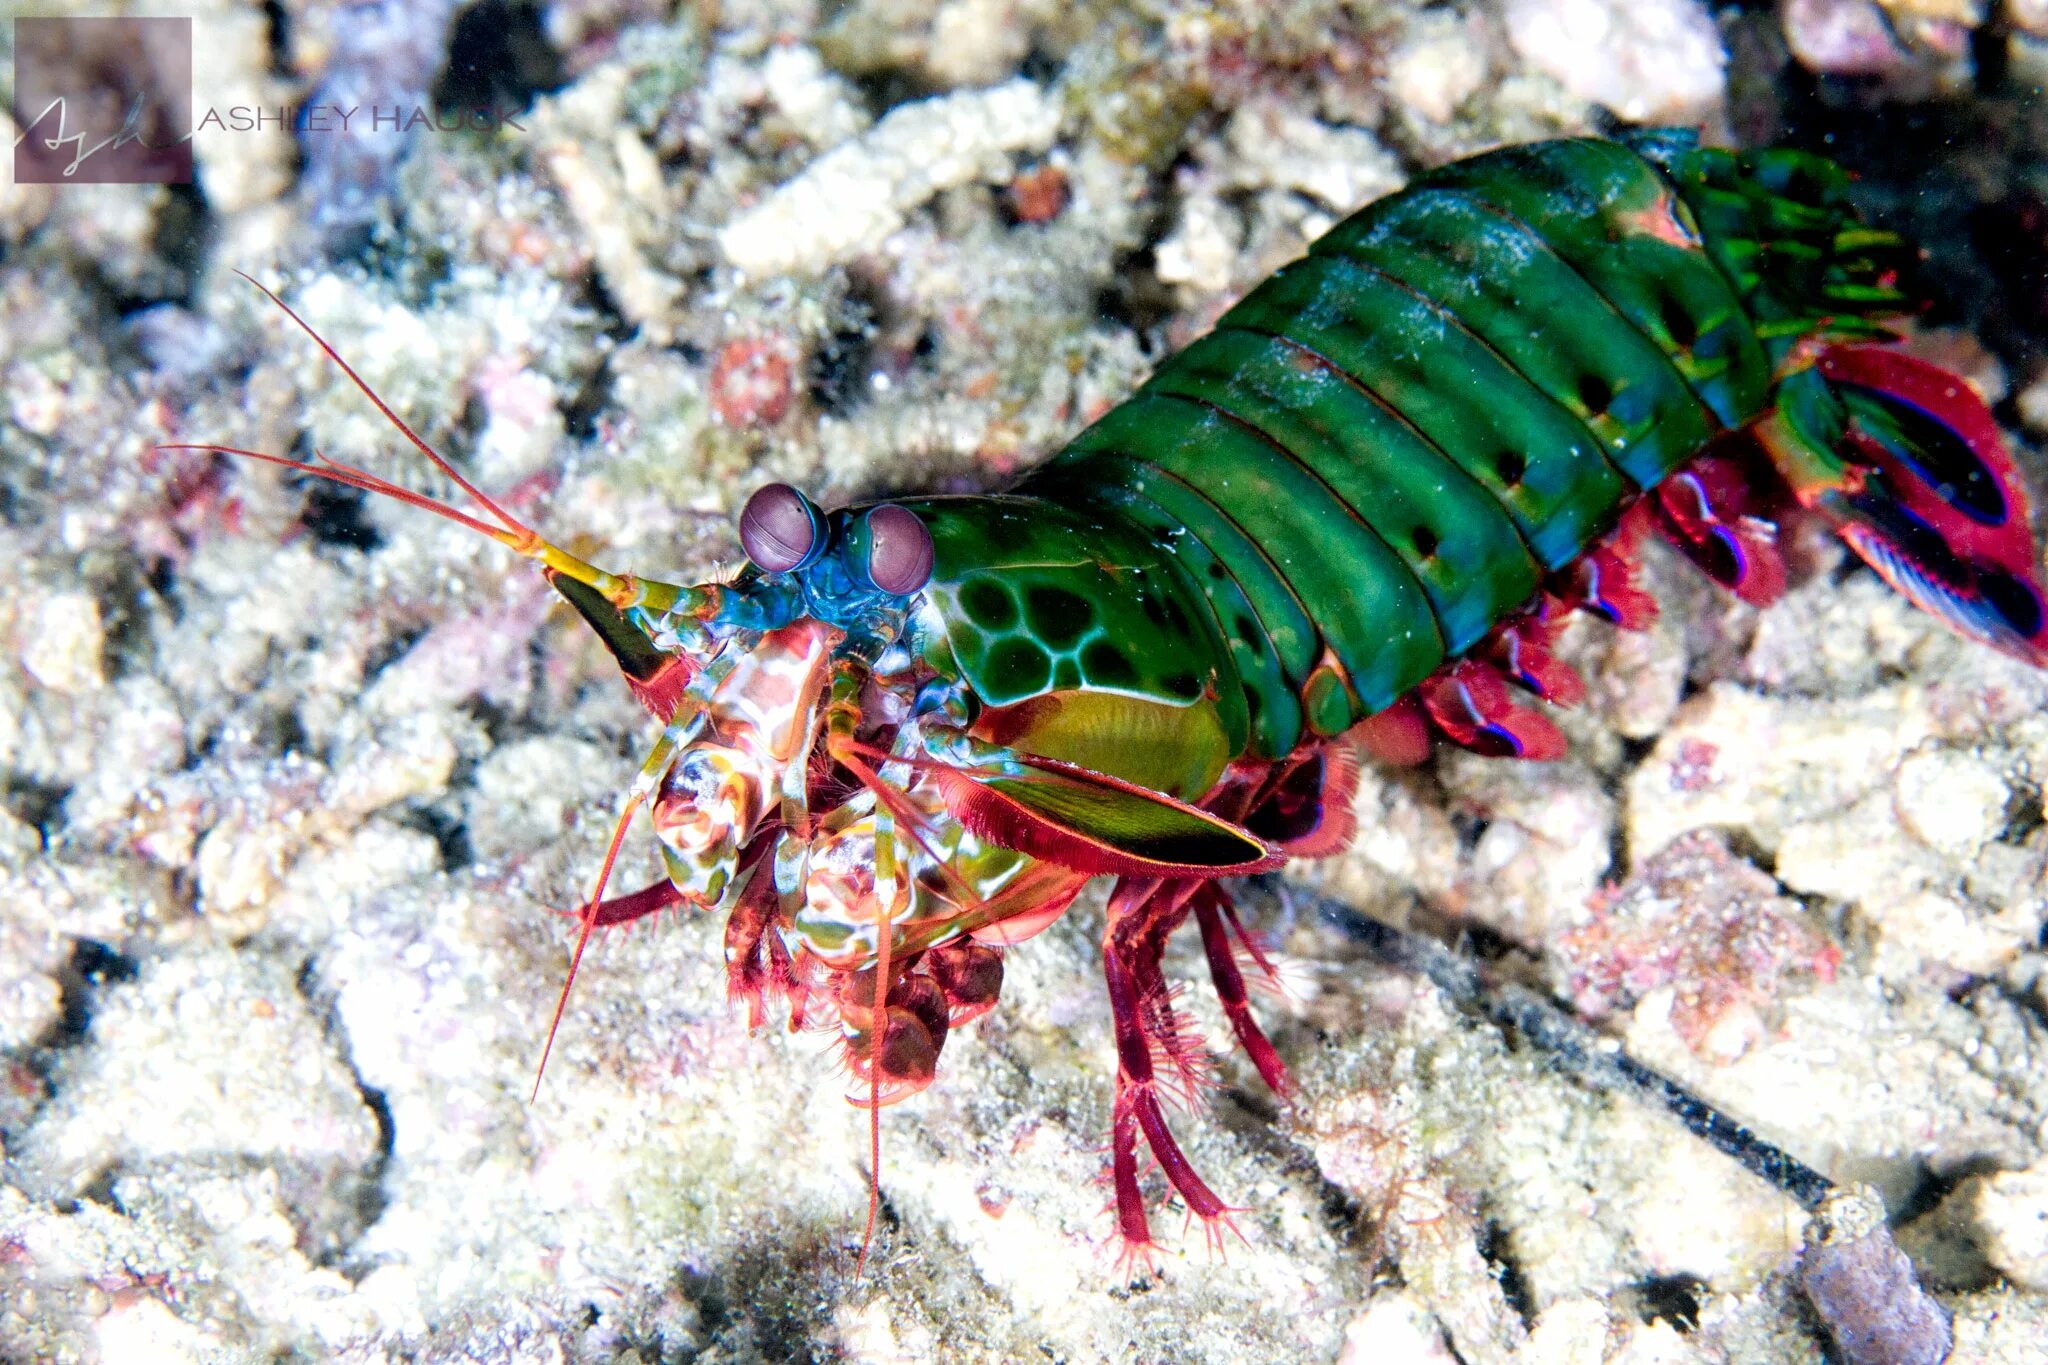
(1927, 493)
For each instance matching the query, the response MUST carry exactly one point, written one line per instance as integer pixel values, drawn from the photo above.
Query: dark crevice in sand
(499, 58)
(1514, 1285)
(1671, 1298)
(369, 1195)
(34, 803)
(93, 965)
(334, 515)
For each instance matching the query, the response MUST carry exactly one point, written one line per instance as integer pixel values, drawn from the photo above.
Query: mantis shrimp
(1347, 521)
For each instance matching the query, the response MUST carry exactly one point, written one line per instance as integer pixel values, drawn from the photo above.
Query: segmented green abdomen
(1382, 449)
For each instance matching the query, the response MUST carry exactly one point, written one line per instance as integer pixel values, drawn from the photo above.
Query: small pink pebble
(750, 383)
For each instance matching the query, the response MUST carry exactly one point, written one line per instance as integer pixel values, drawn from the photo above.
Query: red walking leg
(1137, 995)
(648, 900)
(1210, 903)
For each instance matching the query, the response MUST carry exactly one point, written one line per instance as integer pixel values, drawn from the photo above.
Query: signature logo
(102, 101)
(81, 143)
(109, 101)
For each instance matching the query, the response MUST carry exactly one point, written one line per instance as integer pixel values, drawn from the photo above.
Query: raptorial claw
(1098, 824)
(613, 911)
(970, 976)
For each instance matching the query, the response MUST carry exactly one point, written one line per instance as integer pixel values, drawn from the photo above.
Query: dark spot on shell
(1678, 323)
(1177, 619)
(1017, 668)
(1182, 684)
(1108, 665)
(1512, 466)
(1057, 616)
(1595, 394)
(988, 604)
(1009, 533)
(1425, 542)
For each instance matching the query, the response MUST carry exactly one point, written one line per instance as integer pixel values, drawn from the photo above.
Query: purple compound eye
(781, 530)
(894, 549)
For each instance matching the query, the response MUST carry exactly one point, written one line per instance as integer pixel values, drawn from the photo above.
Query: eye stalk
(781, 530)
(891, 549)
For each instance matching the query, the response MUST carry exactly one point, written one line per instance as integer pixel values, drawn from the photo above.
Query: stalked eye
(781, 530)
(892, 549)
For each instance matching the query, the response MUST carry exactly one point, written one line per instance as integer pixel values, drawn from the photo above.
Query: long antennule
(483, 500)
(622, 590)
(336, 472)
